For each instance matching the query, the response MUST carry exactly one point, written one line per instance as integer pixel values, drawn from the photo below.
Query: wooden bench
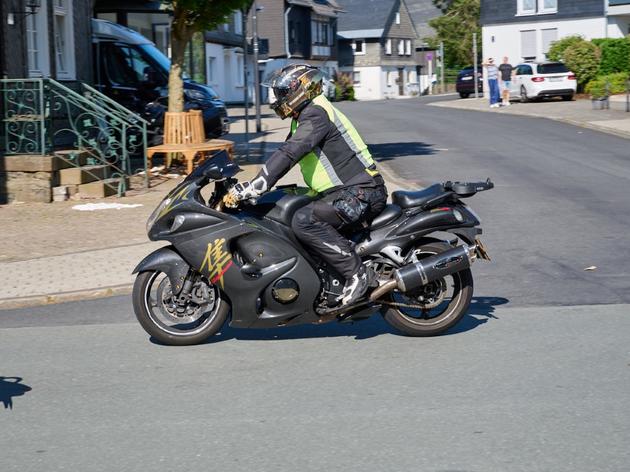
(184, 134)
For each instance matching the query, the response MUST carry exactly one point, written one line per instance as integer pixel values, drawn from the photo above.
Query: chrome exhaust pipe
(427, 270)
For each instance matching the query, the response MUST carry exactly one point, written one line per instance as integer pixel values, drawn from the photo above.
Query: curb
(52, 299)
(568, 121)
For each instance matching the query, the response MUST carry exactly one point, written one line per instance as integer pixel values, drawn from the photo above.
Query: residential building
(523, 30)
(47, 41)
(377, 46)
(298, 31)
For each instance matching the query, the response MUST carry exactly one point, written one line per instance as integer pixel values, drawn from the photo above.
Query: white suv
(542, 80)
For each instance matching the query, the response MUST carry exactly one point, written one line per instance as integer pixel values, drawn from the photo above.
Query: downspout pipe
(286, 32)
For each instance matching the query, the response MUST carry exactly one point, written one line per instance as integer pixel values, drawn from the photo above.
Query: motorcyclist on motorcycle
(335, 163)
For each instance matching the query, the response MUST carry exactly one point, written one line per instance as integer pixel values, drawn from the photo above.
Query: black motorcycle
(246, 263)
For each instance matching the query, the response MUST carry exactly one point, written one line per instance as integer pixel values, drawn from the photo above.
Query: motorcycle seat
(420, 198)
(389, 214)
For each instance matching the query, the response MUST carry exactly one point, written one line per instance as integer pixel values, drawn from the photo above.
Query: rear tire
(524, 98)
(141, 298)
(449, 317)
(567, 98)
(463, 95)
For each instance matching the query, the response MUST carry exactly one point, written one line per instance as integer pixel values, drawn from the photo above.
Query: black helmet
(293, 87)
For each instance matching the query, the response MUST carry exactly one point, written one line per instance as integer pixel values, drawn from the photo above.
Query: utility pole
(256, 74)
(475, 79)
(442, 90)
(245, 86)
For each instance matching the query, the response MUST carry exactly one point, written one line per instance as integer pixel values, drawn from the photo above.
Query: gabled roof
(364, 14)
(321, 7)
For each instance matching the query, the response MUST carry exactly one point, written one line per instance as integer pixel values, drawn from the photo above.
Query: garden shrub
(582, 58)
(617, 83)
(615, 55)
(557, 49)
(344, 88)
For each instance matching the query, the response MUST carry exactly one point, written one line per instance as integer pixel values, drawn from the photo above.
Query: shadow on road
(389, 151)
(481, 309)
(11, 387)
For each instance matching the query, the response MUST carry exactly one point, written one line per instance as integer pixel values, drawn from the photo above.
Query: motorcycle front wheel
(433, 308)
(178, 322)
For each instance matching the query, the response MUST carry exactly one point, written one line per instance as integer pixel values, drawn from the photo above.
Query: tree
(582, 59)
(557, 49)
(455, 28)
(190, 17)
(442, 4)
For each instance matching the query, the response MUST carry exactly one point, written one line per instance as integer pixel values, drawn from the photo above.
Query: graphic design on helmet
(292, 88)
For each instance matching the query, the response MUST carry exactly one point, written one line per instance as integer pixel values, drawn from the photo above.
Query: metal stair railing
(43, 115)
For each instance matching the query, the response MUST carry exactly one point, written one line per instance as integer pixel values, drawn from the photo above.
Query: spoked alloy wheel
(432, 308)
(176, 321)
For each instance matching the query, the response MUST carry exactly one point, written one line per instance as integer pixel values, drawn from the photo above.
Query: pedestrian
(492, 73)
(506, 81)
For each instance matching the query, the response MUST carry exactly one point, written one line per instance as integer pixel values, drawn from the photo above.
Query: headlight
(197, 95)
(156, 213)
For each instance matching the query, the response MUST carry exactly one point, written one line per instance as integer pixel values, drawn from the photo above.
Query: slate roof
(421, 12)
(364, 14)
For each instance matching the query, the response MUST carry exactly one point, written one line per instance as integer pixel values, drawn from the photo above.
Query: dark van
(132, 71)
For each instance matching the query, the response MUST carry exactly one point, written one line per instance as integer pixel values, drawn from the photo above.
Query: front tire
(464, 95)
(158, 314)
(524, 98)
(450, 311)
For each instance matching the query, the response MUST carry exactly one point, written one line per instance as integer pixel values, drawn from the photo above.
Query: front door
(401, 81)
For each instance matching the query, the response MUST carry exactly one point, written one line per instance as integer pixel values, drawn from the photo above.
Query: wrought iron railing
(41, 116)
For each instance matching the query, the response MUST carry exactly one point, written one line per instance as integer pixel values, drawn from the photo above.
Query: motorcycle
(246, 263)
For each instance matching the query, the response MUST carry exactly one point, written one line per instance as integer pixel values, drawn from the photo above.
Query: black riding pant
(317, 224)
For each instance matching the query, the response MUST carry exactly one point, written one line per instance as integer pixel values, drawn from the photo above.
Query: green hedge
(615, 55)
(617, 84)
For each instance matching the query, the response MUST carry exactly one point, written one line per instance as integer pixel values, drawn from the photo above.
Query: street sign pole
(442, 90)
(475, 65)
(256, 73)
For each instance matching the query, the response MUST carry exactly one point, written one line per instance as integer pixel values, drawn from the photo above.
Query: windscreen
(556, 68)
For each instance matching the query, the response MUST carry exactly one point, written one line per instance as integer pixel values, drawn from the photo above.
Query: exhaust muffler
(427, 270)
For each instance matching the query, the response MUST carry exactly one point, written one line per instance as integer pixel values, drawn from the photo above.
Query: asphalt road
(560, 205)
(511, 388)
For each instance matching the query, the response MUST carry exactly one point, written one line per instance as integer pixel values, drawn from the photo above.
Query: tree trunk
(179, 40)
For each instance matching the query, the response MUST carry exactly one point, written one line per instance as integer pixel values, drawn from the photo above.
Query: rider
(335, 163)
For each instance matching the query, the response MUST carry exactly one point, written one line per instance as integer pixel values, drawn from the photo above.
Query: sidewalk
(579, 112)
(53, 253)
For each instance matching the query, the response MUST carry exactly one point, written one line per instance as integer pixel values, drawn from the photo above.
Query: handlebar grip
(230, 201)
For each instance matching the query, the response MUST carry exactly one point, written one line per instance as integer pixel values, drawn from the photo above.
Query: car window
(124, 65)
(524, 70)
(556, 68)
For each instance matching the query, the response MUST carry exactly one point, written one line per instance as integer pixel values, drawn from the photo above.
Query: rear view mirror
(214, 173)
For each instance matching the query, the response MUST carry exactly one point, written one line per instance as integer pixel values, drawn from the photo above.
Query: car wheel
(567, 98)
(524, 98)
(464, 95)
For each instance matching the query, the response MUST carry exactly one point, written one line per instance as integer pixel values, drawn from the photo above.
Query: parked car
(534, 80)
(465, 85)
(133, 71)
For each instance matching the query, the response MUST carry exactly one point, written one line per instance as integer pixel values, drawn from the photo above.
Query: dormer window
(397, 17)
(388, 47)
(358, 46)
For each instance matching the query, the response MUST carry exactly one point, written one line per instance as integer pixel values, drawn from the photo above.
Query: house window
(528, 45)
(32, 40)
(533, 7)
(239, 70)
(526, 7)
(356, 78)
(212, 64)
(548, 37)
(321, 33)
(226, 27)
(411, 76)
(63, 37)
(408, 47)
(388, 47)
(238, 22)
(401, 47)
(397, 17)
(358, 46)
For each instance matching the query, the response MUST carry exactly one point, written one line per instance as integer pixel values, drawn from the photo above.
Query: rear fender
(166, 260)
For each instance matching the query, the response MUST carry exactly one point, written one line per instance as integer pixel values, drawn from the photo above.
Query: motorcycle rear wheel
(158, 314)
(415, 322)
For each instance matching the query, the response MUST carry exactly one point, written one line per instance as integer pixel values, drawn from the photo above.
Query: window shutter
(528, 44)
(548, 36)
